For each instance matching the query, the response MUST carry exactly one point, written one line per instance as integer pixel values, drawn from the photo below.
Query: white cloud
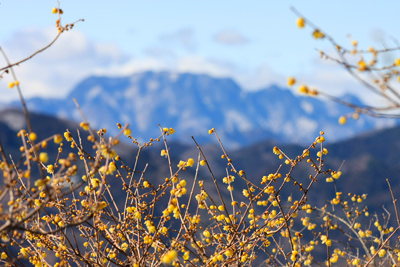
(183, 37)
(199, 64)
(230, 37)
(259, 77)
(160, 52)
(74, 57)
(55, 71)
(133, 65)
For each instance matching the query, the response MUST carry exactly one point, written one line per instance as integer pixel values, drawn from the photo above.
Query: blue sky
(255, 42)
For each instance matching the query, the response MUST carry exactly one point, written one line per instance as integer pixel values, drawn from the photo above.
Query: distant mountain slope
(193, 103)
(366, 160)
(13, 120)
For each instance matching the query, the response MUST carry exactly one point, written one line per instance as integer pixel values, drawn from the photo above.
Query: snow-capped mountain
(193, 103)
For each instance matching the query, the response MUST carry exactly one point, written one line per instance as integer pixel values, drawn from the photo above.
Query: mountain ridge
(194, 103)
(366, 160)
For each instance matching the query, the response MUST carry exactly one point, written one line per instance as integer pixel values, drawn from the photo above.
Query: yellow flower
(336, 175)
(397, 62)
(276, 151)
(228, 253)
(42, 182)
(291, 81)
(137, 215)
(43, 157)
(130, 209)
(164, 153)
(32, 136)
(150, 227)
(301, 22)
(127, 132)
(190, 162)
(334, 258)
(168, 131)
(101, 205)
(245, 193)
(304, 89)
(164, 231)
(24, 252)
(206, 233)
(342, 120)
(362, 66)
(169, 257)
(43, 144)
(382, 253)
(186, 255)
(325, 240)
(95, 182)
(38, 202)
(57, 139)
(317, 34)
(68, 136)
(84, 126)
(294, 255)
(50, 168)
(309, 248)
(181, 164)
(107, 152)
(11, 84)
(124, 246)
